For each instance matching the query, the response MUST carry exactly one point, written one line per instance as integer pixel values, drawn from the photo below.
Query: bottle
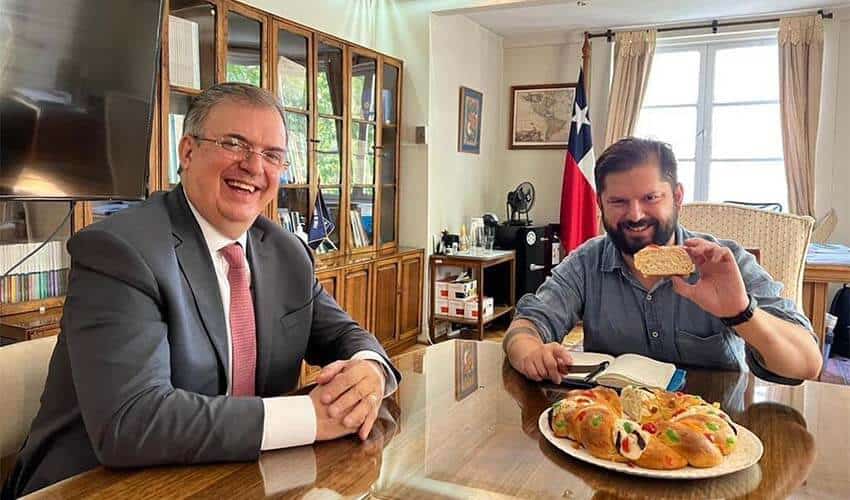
(464, 239)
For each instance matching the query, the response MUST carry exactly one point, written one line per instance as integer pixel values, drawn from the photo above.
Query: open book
(627, 369)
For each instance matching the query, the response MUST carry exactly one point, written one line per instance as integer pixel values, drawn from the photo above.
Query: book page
(588, 358)
(636, 369)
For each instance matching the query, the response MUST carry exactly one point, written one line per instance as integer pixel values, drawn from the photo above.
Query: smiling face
(639, 207)
(230, 193)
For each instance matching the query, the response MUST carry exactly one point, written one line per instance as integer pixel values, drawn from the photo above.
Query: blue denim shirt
(594, 285)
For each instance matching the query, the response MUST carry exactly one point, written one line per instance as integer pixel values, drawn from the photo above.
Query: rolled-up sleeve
(766, 291)
(557, 305)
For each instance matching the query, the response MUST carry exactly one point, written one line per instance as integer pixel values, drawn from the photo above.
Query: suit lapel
(259, 260)
(193, 257)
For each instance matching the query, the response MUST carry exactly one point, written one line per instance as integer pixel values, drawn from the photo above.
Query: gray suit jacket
(138, 374)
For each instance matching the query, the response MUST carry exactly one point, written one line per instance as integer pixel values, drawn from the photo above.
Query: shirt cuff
(391, 384)
(288, 421)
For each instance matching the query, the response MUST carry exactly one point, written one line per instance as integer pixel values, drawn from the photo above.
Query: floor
(837, 370)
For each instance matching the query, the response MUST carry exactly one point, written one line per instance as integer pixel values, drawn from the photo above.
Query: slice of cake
(656, 260)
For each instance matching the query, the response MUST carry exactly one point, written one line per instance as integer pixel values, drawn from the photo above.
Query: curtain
(800, 66)
(633, 51)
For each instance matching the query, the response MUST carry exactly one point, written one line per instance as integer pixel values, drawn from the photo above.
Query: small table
(816, 280)
(478, 263)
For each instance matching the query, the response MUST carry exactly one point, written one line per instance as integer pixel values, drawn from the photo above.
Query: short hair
(630, 152)
(243, 93)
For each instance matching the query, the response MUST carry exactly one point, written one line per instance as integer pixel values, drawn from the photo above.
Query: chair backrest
(23, 370)
(824, 227)
(782, 239)
(770, 206)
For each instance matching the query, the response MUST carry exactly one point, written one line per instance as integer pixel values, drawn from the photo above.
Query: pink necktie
(243, 335)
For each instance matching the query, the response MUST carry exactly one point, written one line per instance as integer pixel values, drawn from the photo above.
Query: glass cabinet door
(390, 81)
(191, 67)
(244, 49)
(329, 141)
(363, 125)
(291, 75)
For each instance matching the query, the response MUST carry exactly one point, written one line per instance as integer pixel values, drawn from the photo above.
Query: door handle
(536, 267)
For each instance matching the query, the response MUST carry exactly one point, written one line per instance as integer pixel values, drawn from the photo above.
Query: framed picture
(466, 368)
(469, 121)
(540, 115)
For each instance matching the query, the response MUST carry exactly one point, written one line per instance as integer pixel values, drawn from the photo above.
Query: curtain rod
(714, 25)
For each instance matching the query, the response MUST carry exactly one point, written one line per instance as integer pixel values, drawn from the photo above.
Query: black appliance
(529, 242)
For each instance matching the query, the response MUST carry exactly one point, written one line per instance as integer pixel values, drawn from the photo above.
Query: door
(411, 296)
(356, 290)
(385, 323)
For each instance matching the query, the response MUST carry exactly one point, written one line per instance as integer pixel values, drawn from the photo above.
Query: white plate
(748, 451)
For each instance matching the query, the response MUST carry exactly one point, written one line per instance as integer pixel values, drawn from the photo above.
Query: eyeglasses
(240, 150)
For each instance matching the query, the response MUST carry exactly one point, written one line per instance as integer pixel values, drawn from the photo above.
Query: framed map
(540, 115)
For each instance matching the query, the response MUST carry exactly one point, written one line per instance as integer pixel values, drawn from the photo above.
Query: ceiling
(522, 17)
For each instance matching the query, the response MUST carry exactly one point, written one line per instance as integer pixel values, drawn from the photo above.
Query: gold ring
(373, 398)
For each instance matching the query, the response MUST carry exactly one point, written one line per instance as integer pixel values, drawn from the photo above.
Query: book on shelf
(291, 219)
(184, 61)
(358, 230)
(175, 133)
(42, 275)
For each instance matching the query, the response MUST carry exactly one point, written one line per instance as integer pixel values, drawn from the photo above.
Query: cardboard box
(471, 309)
(441, 289)
(457, 308)
(442, 307)
(463, 290)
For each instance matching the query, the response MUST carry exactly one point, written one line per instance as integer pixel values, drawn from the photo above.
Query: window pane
(673, 79)
(746, 131)
(362, 203)
(329, 80)
(363, 73)
(292, 208)
(757, 182)
(332, 197)
(244, 49)
(362, 153)
(292, 69)
(296, 146)
(675, 126)
(686, 171)
(747, 74)
(329, 151)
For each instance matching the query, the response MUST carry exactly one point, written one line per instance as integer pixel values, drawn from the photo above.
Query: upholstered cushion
(782, 239)
(23, 370)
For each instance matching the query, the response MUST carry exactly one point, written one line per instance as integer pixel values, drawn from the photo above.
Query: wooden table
(816, 280)
(487, 445)
(504, 293)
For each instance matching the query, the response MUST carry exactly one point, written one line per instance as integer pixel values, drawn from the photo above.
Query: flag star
(580, 117)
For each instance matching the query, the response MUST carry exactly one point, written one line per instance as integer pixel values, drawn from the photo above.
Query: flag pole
(585, 64)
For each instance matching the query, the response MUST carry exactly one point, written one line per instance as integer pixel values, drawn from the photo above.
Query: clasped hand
(347, 398)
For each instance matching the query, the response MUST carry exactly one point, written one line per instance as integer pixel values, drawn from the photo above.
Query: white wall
(462, 54)
(351, 20)
(553, 58)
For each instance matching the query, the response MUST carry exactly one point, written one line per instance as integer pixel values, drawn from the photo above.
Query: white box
(442, 307)
(463, 290)
(457, 308)
(441, 289)
(471, 308)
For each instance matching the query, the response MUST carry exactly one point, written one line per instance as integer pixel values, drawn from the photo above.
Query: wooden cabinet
(356, 292)
(410, 318)
(387, 293)
(331, 283)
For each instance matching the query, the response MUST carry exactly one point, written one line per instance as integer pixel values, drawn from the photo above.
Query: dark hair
(630, 152)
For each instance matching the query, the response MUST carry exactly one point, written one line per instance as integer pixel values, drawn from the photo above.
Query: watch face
(531, 238)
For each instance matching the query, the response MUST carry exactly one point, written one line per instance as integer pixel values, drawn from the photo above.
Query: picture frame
(466, 368)
(469, 121)
(541, 115)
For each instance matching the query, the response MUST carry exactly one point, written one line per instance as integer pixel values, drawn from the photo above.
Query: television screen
(77, 82)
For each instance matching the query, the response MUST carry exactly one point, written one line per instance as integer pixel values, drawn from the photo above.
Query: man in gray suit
(188, 316)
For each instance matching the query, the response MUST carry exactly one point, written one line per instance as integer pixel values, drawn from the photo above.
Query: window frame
(705, 104)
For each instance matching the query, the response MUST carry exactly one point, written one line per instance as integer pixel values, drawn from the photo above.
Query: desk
(487, 445)
(816, 280)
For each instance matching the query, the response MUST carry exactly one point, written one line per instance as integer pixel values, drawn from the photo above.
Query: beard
(662, 231)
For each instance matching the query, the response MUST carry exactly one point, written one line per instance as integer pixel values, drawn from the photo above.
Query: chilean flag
(578, 197)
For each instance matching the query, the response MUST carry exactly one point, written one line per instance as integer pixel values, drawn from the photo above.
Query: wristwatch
(743, 316)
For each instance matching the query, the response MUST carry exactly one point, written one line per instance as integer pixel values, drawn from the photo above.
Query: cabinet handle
(536, 267)
(314, 141)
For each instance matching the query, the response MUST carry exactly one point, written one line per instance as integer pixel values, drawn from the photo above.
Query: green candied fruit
(712, 426)
(557, 404)
(560, 424)
(627, 426)
(596, 420)
(672, 436)
(730, 441)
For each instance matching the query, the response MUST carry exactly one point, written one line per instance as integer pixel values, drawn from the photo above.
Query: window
(717, 105)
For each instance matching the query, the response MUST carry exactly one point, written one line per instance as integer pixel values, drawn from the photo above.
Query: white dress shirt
(288, 420)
